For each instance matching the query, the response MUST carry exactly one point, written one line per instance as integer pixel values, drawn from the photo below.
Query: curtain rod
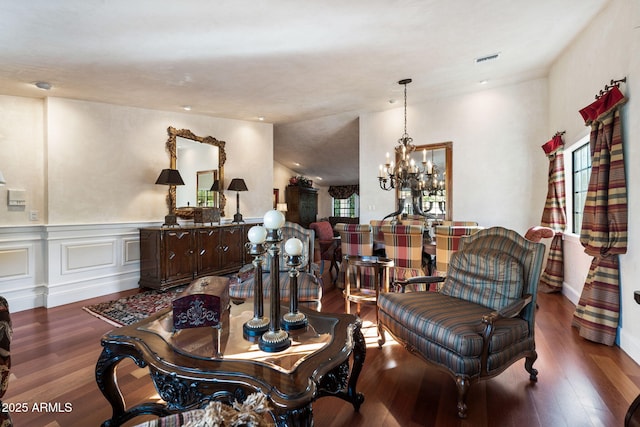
(612, 83)
(560, 133)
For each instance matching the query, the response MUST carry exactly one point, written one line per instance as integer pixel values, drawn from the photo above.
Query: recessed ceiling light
(483, 82)
(186, 107)
(393, 101)
(261, 118)
(296, 163)
(319, 178)
(43, 85)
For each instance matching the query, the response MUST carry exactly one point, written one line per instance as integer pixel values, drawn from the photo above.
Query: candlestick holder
(258, 324)
(275, 339)
(293, 319)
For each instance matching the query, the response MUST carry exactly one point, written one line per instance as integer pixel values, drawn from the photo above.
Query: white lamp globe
(293, 247)
(257, 234)
(273, 219)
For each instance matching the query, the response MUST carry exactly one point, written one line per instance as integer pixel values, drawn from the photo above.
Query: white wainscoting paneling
(22, 267)
(51, 265)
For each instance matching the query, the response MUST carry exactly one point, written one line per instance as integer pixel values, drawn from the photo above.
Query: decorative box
(202, 215)
(202, 303)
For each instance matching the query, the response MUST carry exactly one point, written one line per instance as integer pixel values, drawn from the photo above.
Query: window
(579, 183)
(346, 207)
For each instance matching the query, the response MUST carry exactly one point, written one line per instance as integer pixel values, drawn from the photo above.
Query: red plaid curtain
(604, 226)
(554, 216)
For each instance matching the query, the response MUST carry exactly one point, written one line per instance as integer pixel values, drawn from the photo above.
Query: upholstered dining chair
(448, 223)
(448, 241)
(482, 320)
(403, 244)
(355, 239)
(378, 237)
(329, 246)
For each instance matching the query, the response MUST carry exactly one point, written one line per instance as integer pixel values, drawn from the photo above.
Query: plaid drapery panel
(554, 215)
(604, 226)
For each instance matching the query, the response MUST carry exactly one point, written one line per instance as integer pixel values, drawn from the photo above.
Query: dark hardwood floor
(54, 353)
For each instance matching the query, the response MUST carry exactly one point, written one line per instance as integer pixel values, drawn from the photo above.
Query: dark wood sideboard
(302, 204)
(172, 256)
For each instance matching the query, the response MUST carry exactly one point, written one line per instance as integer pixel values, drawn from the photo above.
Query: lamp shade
(237, 184)
(215, 186)
(170, 177)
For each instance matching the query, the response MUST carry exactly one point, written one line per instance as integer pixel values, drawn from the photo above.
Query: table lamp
(237, 185)
(170, 177)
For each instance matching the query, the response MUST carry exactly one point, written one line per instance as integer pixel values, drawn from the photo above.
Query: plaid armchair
(309, 284)
(483, 318)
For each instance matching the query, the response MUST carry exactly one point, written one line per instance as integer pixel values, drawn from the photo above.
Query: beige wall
(22, 158)
(85, 162)
(499, 169)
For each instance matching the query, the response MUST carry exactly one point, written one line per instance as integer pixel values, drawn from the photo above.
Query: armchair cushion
(448, 330)
(488, 277)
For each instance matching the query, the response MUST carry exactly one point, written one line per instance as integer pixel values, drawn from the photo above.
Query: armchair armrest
(509, 311)
(418, 279)
(490, 319)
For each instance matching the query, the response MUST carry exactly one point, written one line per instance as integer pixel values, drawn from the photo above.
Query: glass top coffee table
(193, 366)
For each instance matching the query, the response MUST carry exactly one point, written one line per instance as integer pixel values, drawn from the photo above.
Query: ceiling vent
(487, 58)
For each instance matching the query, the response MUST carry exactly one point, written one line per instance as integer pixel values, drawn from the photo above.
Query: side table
(379, 267)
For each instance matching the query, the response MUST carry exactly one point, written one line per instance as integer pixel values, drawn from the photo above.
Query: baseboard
(95, 287)
(630, 344)
(25, 299)
(570, 293)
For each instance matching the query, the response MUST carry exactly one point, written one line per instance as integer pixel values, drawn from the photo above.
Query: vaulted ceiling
(311, 68)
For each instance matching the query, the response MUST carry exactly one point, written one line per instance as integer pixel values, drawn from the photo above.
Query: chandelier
(407, 174)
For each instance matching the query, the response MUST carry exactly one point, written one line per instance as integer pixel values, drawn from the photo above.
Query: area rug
(129, 310)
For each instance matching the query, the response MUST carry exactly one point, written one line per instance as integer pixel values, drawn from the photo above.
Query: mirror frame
(448, 169)
(187, 213)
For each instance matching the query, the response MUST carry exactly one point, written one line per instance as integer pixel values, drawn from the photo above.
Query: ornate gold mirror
(435, 204)
(200, 161)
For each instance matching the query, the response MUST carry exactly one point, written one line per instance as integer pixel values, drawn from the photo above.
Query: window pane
(581, 173)
(346, 207)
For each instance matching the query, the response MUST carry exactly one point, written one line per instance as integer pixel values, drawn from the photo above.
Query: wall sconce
(237, 185)
(170, 177)
(2, 181)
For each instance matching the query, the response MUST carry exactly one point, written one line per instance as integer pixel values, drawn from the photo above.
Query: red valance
(552, 145)
(604, 104)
